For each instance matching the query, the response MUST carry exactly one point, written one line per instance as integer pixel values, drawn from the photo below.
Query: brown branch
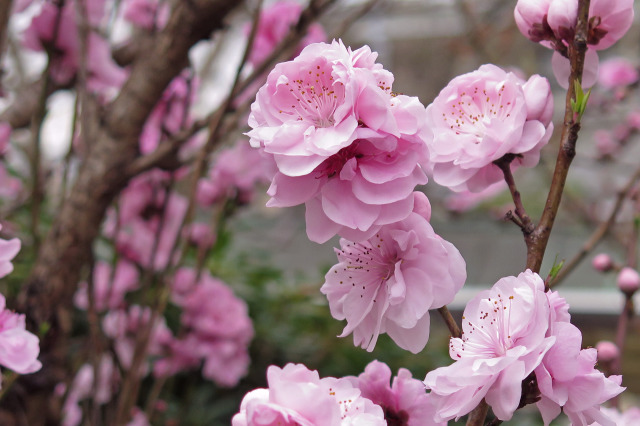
(452, 325)
(477, 416)
(504, 164)
(599, 233)
(538, 239)
(47, 294)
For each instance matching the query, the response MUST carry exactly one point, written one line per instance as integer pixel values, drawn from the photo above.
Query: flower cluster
(344, 144)
(298, 396)
(552, 23)
(387, 284)
(479, 118)
(509, 332)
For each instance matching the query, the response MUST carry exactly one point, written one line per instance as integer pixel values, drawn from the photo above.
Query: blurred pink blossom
(109, 288)
(630, 416)
(628, 280)
(607, 351)
(503, 341)
(602, 262)
(606, 144)
(8, 250)
(60, 22)
(466, 200)
(275, 23)
(217, 330)
(147, 14)
(479, 118)
(617, 72)
(19, 348)
(388, 283)
(235, 173)
(567, 378)
(405, 402)
(344, 145)
(297, 396)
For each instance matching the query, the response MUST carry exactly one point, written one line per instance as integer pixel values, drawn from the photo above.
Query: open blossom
(298, 396)
(405, 402)
(8, 250)
(503, 341)
(566, 376)
(19, 348)
(388, 283)
(630, 416)
(480, 117)
(617, 72)
(343, 144)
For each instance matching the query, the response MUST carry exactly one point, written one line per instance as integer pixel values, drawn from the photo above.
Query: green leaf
(555, 269)
(579, 104)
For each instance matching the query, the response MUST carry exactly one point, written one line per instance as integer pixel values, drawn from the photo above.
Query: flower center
(473, 110)
(334, 164)
(314, 96)
(490, 335)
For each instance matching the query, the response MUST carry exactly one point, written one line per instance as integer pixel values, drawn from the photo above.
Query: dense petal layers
(388, 283)
(343, 143)
(479, 118)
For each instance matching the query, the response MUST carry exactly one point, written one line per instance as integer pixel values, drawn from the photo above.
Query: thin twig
(450, 321)
(599, 233)
(504, 164)
(477, 416)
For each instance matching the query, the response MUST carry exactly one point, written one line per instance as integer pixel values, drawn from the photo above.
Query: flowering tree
(123, 292)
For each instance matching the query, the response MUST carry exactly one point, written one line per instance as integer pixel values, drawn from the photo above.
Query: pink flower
(405, 402)
(275, 23)
(607, 351)
(8, 250)
(617, 72)
(606, 145)
(503, 342)
(602, 262)
(60, 22)
(567, 378)
(531, 19)
(466, 200)
(297, 396)
(217, 330)
(109, 288)
(388, 283)
(19, 348)
(630, 417)
(342, 143)
(235, 174)
(482, 116)
(628, 280)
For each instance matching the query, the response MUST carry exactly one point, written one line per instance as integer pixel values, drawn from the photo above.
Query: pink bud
(628, 280)
(607, 351)
(602, 262)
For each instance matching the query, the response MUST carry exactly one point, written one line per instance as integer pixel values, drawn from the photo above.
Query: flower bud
(607, 351)
(628, 280)
(602, 262)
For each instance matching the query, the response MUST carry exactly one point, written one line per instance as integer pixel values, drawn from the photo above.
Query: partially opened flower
(479, 118)
(19, 348)
(297, 396)
(388, 283)
(343, 144)
(405, 402)
(503, 341)
(8, 250)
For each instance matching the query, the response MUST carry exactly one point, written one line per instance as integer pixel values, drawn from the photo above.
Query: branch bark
(47, 294)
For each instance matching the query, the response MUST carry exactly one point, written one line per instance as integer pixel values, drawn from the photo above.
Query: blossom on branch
(503, 341)
(404, 403)
(19, 348)
(298, 396)
(343, 143)
(388, 283)
(479, 118)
